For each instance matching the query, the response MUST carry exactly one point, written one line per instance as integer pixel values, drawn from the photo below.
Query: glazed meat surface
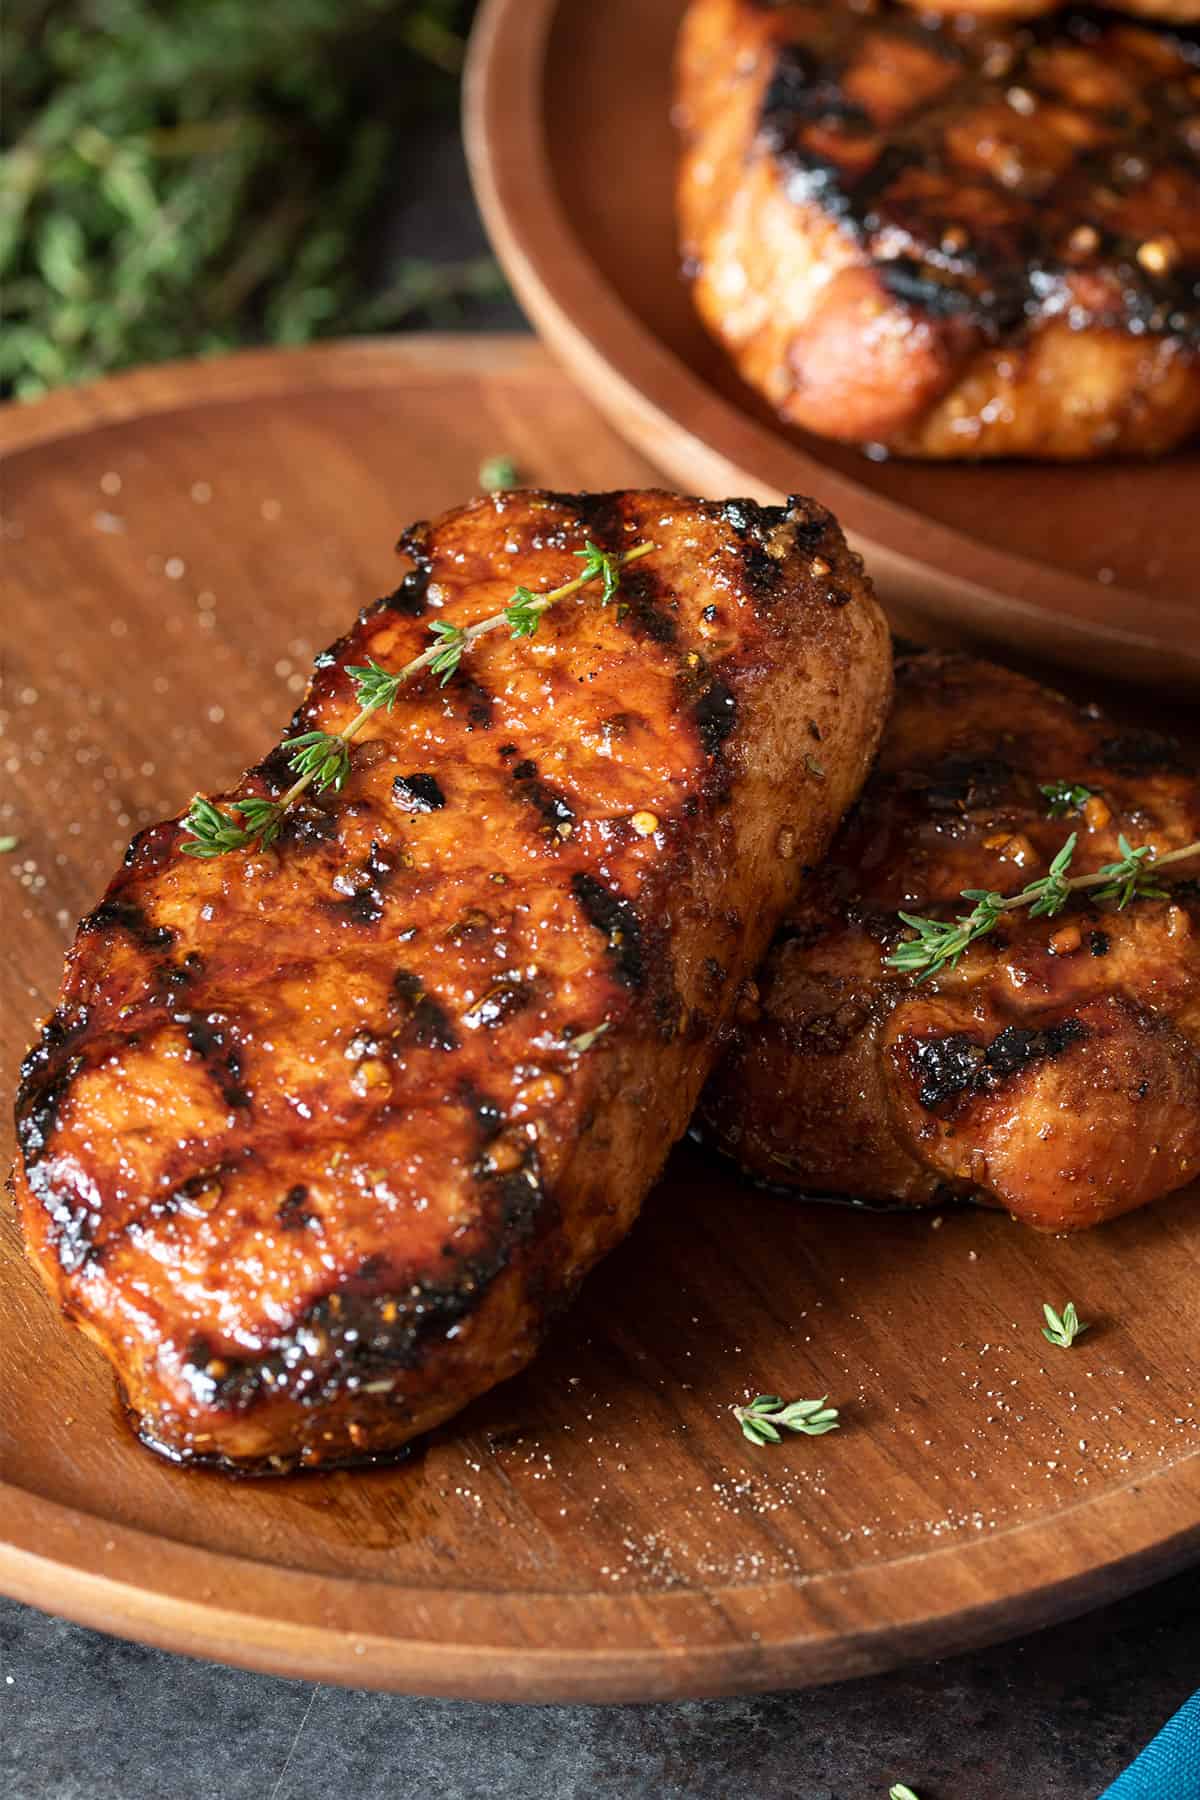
(1056, 1071)
(320, 1137)
(948, 237)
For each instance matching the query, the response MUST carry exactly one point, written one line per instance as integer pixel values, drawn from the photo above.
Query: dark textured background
(1053, 1717)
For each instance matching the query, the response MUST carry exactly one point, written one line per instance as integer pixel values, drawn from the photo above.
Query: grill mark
(550, 804)
(498, 1004)
(1135, 753)
(951, 1066)
(365, 902)
(45, 1080)
(210, 1037)
(641, 591)
(306, 827)
(429, 1022)
(291, 1213)
(125, 915)
(617, 918)
(478, 702)
(418, 793)
(959, 783)
(1009, 270)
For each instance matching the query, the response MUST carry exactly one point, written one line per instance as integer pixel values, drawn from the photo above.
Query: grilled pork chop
(321, 1137)
(949, 237)
(1056, 1071)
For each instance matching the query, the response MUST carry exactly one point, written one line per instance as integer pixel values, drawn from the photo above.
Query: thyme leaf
(762, 1419)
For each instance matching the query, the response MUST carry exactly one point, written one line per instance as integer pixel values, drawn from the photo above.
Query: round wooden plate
(573, 157)
(178, 543)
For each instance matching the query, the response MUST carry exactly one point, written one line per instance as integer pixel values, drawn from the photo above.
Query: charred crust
(753, 524)
(210, 1036)
(550, 804)
(1012, 267)
(351, 1340)
(409, 598)
(959, 784)
(715, 715)
(274, 770)
(429, 1024)
(1145, 752)
(127, 916)
(418, 793)
(477, 702)
(617, 919)
(949, 1067)
(641, 592)
(306, 826)
(368, 885)
(499, 1003)
(597, 516)
(46, 1075)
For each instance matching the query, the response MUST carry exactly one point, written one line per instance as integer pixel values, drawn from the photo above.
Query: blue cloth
(1169, 1766)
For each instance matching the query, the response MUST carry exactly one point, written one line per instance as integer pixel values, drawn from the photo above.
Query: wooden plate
(573, 159)
(178, 543)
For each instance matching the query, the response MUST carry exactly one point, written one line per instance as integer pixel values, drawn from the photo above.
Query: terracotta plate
(574, 164)
(177, 545)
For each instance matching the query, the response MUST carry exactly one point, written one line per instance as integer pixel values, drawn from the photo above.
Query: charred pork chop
(950, 237)
(322, 1135)
(1056, 1071)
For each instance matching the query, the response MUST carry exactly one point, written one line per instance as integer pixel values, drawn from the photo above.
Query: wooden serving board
(573, 155)
(177, 544)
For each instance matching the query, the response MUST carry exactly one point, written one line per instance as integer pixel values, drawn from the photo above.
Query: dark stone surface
(1051, 1717)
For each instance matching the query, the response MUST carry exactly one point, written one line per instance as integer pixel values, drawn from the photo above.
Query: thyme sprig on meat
(939, 943)
(321, 759)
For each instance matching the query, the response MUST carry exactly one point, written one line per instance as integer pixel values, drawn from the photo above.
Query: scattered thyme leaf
(1065, 1328)
(1064, 797)
(761, 1419)
(498, 473)
(900, 1790)
(8, 844)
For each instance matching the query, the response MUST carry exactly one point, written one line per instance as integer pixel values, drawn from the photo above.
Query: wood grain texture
(1093, 565)
(596, 1528)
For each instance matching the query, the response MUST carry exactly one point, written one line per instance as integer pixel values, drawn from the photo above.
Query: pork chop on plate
(1055, 1070)
(326, 1129)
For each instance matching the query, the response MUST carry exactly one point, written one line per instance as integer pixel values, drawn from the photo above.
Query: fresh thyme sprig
(939, 943)
(760, 1421)
(900, 1790)
(1063, 1330)
(321, 759)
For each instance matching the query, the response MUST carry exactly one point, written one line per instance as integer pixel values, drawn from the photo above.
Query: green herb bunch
(183, 176)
